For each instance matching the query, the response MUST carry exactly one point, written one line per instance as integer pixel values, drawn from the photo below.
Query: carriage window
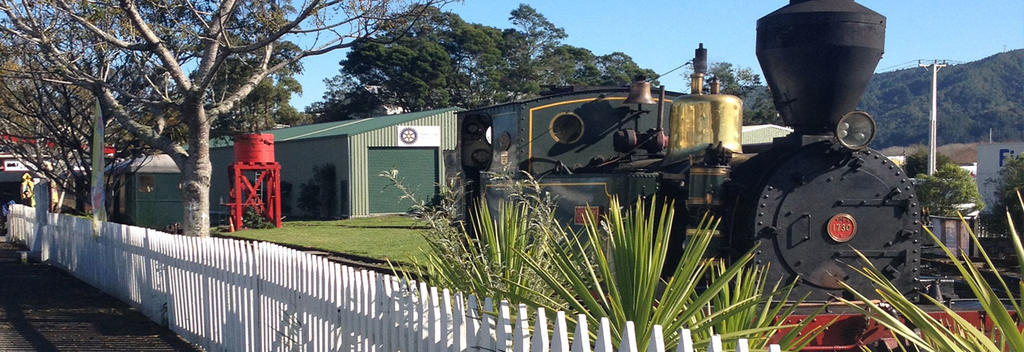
(146, 183)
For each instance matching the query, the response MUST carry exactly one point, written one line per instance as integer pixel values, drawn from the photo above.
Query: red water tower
(255, 179)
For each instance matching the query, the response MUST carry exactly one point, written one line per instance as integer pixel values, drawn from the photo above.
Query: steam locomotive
(806, 200)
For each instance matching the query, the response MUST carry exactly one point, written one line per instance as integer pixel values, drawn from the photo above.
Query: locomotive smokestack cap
(700, 59)
(817, 57)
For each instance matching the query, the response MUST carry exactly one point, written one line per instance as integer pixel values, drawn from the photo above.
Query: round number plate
(842, 227)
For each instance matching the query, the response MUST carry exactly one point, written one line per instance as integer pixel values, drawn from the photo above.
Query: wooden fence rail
(232, 295)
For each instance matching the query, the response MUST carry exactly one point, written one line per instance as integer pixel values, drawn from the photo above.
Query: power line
(898, 66)
(673, 70)
(913, 63)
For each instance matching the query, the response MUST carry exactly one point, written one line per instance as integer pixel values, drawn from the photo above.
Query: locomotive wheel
(815, 207)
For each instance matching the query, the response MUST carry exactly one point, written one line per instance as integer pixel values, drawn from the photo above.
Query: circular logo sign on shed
(407, 135)
(842, 227)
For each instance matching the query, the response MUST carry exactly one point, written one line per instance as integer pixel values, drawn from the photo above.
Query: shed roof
(755, 134)
(338, 128)
(148, 164)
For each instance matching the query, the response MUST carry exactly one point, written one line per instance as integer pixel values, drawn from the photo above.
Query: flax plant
(615, 271)
(488, 265)
(483, 262)
(953, 334)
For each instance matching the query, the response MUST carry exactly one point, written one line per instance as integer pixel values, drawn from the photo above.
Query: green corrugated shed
(344, 149)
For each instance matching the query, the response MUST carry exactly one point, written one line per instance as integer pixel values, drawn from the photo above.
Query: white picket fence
(231, 295)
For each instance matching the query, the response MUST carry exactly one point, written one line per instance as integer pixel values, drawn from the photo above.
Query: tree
(532, 37)
(345, 99)
(444, 61)
(618, 69)
(948, 191)
(758, 107)
(163, 58)
(1008, 182)
(48, 127)
(917, 162)
(439, 62)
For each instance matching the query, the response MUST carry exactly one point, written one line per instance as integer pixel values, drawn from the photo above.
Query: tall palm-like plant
(955, 333)
(615, 272)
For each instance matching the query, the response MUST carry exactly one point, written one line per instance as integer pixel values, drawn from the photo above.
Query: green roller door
(417, 170)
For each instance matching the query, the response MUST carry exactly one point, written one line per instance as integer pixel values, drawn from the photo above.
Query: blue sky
(661, 34)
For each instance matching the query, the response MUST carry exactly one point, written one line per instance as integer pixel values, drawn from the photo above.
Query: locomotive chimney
(817, 57)
(700, 67)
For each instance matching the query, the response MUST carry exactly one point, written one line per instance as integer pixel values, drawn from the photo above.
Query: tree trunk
(195, 175)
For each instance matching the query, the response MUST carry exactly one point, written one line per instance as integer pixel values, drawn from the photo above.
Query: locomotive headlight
(855, 130)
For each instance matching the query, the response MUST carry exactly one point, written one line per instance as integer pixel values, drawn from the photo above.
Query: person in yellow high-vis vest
(27, 190)
(54, 198)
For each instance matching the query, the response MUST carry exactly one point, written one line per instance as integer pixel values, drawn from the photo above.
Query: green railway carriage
(146, 193)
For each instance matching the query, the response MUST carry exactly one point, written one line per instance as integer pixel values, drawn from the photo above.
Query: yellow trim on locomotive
(567, 184)
(529, 131)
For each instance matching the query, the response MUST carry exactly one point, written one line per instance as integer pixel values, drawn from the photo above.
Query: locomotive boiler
(807, 201)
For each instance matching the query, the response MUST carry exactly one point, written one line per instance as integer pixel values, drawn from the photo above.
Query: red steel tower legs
(255, 179)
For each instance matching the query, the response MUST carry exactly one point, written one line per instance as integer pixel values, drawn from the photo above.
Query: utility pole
(934, 66)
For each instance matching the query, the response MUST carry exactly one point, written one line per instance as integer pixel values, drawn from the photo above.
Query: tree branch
(250, 84)
(169, 62)
(107, 37)
(114, 109)
(212, 57)
(310, 9)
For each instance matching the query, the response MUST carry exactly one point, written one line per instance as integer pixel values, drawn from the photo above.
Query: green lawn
(396, 238)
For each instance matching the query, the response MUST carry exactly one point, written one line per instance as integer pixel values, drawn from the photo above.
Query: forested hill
(972, 98)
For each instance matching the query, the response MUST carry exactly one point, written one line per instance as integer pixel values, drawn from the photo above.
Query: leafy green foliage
(950, 187)
(917, 162)
(954, 333)
(443, 61)
(972, 99)
(252, 219)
